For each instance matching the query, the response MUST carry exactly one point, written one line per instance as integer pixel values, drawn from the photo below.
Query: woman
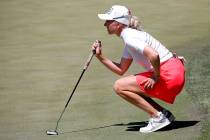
(163, 79)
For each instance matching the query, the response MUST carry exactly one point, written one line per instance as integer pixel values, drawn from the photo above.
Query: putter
(55, 132)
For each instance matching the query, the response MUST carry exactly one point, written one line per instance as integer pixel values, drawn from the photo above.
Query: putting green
(44, 44)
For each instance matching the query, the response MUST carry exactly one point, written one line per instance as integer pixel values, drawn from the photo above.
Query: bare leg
(128, 89)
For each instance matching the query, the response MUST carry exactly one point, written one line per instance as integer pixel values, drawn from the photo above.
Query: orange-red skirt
(170, 84)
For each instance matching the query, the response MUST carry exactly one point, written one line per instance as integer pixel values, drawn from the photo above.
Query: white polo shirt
(135, 42)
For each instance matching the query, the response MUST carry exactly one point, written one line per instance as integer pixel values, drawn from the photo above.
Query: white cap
(118, 13)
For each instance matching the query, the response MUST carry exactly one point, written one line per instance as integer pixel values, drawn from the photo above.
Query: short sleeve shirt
(135, 41)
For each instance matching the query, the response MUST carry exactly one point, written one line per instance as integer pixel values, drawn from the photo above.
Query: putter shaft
(83, 71)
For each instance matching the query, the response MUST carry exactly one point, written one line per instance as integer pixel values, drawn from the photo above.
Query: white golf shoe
(155, 123)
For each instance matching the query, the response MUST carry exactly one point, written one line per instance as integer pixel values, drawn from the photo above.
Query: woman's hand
(149, 82)
(96, 48)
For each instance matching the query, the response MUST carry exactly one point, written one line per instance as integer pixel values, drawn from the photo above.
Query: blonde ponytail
(135, 23)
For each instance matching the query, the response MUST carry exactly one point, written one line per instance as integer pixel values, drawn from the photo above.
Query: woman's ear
(119, 26)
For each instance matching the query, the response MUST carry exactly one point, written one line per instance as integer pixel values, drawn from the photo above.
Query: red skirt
(170, 84)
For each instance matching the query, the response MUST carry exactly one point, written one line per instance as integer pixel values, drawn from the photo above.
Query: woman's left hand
(149, 83)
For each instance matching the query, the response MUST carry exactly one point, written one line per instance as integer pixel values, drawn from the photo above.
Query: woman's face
(112, 26)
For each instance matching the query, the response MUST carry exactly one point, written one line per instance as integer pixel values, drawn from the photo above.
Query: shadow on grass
(94, 128)
(135, 126)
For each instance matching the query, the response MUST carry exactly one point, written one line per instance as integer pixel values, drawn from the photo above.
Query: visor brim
(105, 17)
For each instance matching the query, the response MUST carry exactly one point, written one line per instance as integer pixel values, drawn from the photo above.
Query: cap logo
(109, 11)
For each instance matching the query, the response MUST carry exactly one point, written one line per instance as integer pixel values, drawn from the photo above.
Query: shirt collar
(122, 34)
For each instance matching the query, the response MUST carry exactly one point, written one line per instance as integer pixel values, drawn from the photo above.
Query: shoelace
(151, 120)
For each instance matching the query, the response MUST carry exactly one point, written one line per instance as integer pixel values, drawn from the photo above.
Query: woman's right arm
(118, 68)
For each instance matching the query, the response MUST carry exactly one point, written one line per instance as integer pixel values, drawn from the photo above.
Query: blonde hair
(135, 23)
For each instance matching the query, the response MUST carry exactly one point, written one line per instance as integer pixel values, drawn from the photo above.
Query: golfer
(164, 77)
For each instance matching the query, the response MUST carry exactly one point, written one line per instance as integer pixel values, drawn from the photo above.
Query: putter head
(52, 132)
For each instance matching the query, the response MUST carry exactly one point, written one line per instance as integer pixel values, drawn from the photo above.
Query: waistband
(166, 57)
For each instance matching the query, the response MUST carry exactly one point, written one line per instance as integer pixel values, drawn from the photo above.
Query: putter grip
(91, 56)
(94, 51)
(98, 41)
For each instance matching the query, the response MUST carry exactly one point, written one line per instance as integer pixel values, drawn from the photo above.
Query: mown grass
(198, 79)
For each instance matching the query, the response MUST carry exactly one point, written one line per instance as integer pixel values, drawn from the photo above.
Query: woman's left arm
(154, 59)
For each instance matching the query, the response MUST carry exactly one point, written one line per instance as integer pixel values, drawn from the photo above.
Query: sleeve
(126, 54)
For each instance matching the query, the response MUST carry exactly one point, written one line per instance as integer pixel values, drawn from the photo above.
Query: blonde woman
(164, 77)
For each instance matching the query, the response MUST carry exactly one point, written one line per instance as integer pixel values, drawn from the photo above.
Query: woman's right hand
(96, 48)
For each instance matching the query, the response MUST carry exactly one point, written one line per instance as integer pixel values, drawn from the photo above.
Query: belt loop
(181, 58)
(174, 55)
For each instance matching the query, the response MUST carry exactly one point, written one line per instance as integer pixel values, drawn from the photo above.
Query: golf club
(54, 132)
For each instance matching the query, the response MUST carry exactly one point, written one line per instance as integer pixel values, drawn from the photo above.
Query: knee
(118, 87)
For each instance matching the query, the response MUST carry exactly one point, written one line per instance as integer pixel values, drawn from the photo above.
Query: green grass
(44, 44)
(198, 86)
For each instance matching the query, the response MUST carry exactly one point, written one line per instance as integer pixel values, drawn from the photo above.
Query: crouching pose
(164, 77)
